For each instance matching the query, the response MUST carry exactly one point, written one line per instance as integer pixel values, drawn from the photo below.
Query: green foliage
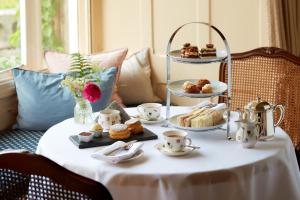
(49, 39)
(81, 72)
(14, 38)
(8, 62)
(8, 4)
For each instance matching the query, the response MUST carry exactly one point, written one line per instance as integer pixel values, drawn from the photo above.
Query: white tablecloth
(221, 169)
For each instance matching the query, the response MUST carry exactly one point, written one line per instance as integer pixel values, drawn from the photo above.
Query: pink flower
(91, 92)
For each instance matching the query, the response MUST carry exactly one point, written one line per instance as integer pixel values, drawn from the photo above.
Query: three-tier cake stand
(175, 56)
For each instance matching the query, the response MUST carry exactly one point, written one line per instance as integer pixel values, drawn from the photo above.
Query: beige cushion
(135, 80)
(60, 63)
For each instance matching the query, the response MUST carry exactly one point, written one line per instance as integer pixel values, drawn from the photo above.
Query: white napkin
(219, 106)
(103, 154)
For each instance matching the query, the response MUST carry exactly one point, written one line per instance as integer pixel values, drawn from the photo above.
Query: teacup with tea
(149, 111)
(175, 140)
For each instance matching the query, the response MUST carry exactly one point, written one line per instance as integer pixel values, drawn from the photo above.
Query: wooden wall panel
(8, 111)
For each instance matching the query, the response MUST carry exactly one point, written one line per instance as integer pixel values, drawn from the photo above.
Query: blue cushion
(43, 102)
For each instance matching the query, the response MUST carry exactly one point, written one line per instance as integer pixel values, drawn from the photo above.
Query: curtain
(284, 18)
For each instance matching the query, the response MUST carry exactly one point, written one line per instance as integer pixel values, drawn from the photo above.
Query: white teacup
(176, 140)
(109, 117)
(149, 111)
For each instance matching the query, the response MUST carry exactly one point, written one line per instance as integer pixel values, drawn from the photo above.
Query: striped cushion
(20, 139)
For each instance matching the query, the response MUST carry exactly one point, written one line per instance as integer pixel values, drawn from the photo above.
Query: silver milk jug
(268, 126)
(262, 113)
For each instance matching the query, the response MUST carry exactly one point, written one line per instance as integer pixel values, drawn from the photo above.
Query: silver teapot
(262, 113)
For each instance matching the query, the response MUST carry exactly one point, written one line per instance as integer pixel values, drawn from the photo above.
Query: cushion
(60, 62)
(135, 80)
(20, 139)
(43, 102)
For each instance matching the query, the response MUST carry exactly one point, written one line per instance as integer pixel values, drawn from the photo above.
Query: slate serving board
(105, 140)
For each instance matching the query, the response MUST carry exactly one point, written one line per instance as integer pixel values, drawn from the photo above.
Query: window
(28, 28)
(55, 25)
(9, 34)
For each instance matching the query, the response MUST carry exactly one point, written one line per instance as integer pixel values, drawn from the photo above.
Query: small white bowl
(85, 136)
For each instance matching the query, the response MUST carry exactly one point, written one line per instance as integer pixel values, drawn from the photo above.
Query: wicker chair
(31, 176)
(274, 75)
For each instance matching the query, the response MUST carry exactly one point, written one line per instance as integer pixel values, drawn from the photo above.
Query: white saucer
(137, 155)
(159, 120)
(185, 151)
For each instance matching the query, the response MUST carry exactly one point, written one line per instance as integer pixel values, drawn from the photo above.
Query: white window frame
(31, 38)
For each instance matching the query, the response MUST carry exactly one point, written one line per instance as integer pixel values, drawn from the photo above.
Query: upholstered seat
(20, 139)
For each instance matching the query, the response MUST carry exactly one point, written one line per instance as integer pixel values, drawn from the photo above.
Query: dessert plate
(159, 120)
(137, 155)
(175, 56)
(218, 88)
(185, 151)
(173, 122)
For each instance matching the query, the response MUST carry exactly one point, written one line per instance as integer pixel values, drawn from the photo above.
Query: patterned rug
(20, 139)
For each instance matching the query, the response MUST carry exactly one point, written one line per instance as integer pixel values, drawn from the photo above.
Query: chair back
(272, 74)
(31, 176)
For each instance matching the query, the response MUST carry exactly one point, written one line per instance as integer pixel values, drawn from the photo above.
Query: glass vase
(83, 112)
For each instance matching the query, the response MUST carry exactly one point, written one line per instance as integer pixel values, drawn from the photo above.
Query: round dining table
(220, 169)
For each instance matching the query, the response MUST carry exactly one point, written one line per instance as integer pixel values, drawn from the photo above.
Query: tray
(173, 122)
(105, 140)
(175, 56)
(176, 88)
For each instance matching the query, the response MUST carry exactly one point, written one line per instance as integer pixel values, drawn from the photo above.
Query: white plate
(159, 120)
(160, 148)
(137, 155)
(218, 88)
(176, 57)
(173, 122)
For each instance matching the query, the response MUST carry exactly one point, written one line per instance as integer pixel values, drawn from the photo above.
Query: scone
(119, 132)
(190, 87)
(207, 88)
(201, 83)
(134, 126)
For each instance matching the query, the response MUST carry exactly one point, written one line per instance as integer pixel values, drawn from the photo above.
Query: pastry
(203, 117)
(184, 48)
(201, 83)
(96, 127)
(207, 88)
(119, 132)
(209, 51)
(134, 126)
(190, 87)
(189, 51)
